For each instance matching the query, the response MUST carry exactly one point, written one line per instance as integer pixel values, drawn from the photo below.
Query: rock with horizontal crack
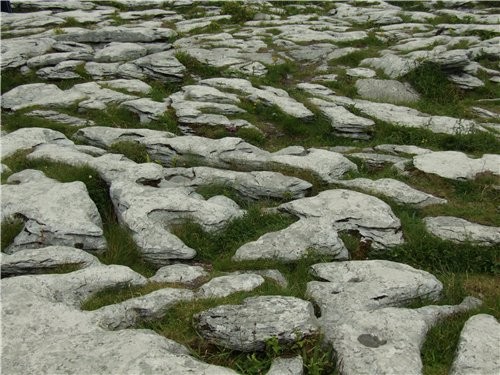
(460, 230)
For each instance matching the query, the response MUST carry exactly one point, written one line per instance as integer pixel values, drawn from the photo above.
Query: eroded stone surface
(460, 230)
(40, 200)
(287, 366)
(223, 286)
(247, 327)
(179, 273)
(26, 138)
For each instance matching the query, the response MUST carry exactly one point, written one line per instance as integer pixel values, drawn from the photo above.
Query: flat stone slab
(248, 326)
(27, 138)
(287, 366)
(61, 118)
(149, 212)
(42, 94)
(45, 260)
(350, 210)
(40, 201)
(477, 351)
(41, 322)
(456, 165)
(224, 286)
(462, 231)
(391, 91)
(254, 185)
(396, 190)
(306, 236)
(179, 274)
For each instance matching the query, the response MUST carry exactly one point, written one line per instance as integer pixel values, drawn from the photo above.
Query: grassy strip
(10, 229)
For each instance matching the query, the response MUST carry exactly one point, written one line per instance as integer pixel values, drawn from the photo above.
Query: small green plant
(239, 11)
(11, 227)
(59, 31)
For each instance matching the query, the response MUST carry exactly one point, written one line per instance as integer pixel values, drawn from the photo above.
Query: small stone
(287, 366)
(224, 286)
(179, 274)
(391, 91)
(461, 231)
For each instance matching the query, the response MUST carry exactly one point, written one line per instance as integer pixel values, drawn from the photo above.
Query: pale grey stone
(287, 366)
(396, 190)
(379, 160)
(61, 46)
(30, 19)
(460, 230)
(303, 237)
(87, 16)
(477, 351)
(456, 165)
(224, 286)
(149, 212)
(344, 122)
(402, 149)
(149, 307)
(254, 185)
(291, 150)
(386, 90)
(114, 34)
(392, 65)
(350, 210)
(179, 274)
(27, 138)
(41, 322)
(466, 81)
(94, 92)
(268, 95)
(457, 58)
(274, 275)
(61, 118)
(58, 57)
(326, 78)
(200, 93)
(139, 14)
(102, 136)
(40, 201)
(131, 85)
(247, 327)
(194, 23)
(147, 109)
(254, 68)
(160, 65)
(361, 72)
(102, 70)
(341, 52)
(486, 113)
(63, 70)
(44, 260)
(42, 94)
(114, 52)
(327, 165)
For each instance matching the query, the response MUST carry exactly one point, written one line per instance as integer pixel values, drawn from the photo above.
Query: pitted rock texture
(27, 138)
(247, 327)
(179, 274)
(305, 237)
(223, 286)
(477, 348)
(350, 210)
(460, 230)
(44, 260)
(40, 201)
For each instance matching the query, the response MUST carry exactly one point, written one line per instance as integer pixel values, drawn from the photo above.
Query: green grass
(239, 11)
(11, 78)
(132, 150)
(11, 227)
(19, 120)
(196, 67)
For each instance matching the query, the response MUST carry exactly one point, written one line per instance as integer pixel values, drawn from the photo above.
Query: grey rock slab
(460, 230)
(149, 212)
(135, 86)
(42, 323)
(50, 59)
(30, 20)
(361, 72)
(61, 46)
(145, 308)
(350, 210)
(16, 51)
(272, 274)
(327, 165)
(104, 70)
(248, 326)
(42, 94)
(392, 65)
(93, 92)
(63, 70)
(477, 351)
(87, 16)
(368, 285)
(254, 185)
(394, 189)
(27, 138)
(344, 122)
(457, 165)
(179, 274)
(466, 81)
(402, 149)
(386, 90)
(287, 366)
(201, 93)
(114, 34)
(61, 118)
(44, 260)
(160, 65)
(102, 136)
(224, 286)
(375, 160)
(387, 340)
(40, 201)
(295, 242)
(266, 94)
(114, 52)
(147, 109)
